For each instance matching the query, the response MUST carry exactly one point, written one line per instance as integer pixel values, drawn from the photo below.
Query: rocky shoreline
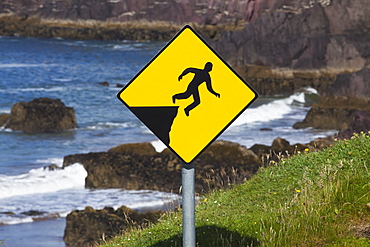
(137, 166)
(277, 46)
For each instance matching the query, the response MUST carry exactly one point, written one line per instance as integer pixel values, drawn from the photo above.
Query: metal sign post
(158, 95)
(188, 205)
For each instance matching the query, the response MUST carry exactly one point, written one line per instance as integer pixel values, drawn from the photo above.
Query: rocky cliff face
(332, 37)
(305, 34)
(180, 11)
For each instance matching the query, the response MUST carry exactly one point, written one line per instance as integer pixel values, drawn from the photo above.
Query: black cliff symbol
(201, 75)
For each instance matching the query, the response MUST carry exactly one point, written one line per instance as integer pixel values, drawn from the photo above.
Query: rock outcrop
(143, 148)
(138, 166)
(215, 167)
(86, 228)
(281, 148)
(40, 115)
(332, 37)
(180, 11)
(299, 35)
(342, 105)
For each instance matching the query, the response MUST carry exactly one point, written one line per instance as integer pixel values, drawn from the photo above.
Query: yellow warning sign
(187, 95)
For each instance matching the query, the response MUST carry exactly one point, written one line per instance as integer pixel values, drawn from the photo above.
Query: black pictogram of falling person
(200, 76)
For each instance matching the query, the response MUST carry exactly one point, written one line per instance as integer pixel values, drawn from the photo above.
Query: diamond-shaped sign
(187, 95)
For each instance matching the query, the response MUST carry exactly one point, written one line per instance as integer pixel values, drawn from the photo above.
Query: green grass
(311, 199)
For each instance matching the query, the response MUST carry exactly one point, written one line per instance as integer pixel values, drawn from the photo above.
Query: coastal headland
(277, 46)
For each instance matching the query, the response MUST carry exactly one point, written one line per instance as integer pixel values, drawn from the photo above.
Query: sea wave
(61, 79)
(23, 65)
(276, 109)
(33, 89)
(107, 125)
(54, 205)
(42, 180)
(48, 161)
(158, 145)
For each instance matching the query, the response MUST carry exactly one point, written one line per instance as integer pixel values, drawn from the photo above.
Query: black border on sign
(147, 65)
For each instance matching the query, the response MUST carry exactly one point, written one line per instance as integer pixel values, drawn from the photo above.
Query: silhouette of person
(201, 75)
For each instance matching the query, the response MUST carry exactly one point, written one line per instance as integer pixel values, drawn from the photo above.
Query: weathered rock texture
(41, 115)
(144, 148)
(86, 228)
(180, 11)
(322, 37)
(283, 81)
(342, 105)
(222, 163)
(281, 148)
(137, 166)
(299, 35)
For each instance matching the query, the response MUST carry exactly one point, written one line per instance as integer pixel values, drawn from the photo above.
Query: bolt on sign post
(187, 95)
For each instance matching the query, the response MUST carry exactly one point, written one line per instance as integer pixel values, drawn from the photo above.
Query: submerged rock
(104, 83)
(85, 228)
(41, 115)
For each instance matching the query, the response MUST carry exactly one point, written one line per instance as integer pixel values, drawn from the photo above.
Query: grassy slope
(312, 199)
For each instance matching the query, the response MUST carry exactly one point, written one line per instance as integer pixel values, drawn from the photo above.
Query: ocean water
(71, 71)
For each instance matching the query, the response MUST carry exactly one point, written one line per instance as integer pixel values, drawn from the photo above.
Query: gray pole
(188, 206)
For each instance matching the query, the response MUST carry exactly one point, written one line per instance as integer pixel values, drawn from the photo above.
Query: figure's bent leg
(194, 104)
(183, 95)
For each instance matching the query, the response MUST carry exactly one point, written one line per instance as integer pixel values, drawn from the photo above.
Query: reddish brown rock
(316, 37)
(181, 11)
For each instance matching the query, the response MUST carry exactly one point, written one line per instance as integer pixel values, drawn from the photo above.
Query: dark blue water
(71, 71)
(68, 70)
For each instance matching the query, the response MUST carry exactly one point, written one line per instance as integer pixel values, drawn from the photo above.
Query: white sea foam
(42, 181)
(12, 220)
(124, 47)
(158, 145)
(52, 89)
(61, 79)
(105, 125)
(271, 111)
(5, 110)
(33, 89)
(24, 65)
(48, 161)
(62, 203)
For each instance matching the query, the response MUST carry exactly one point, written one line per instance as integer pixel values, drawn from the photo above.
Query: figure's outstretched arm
(188, 70)
(209, 87)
